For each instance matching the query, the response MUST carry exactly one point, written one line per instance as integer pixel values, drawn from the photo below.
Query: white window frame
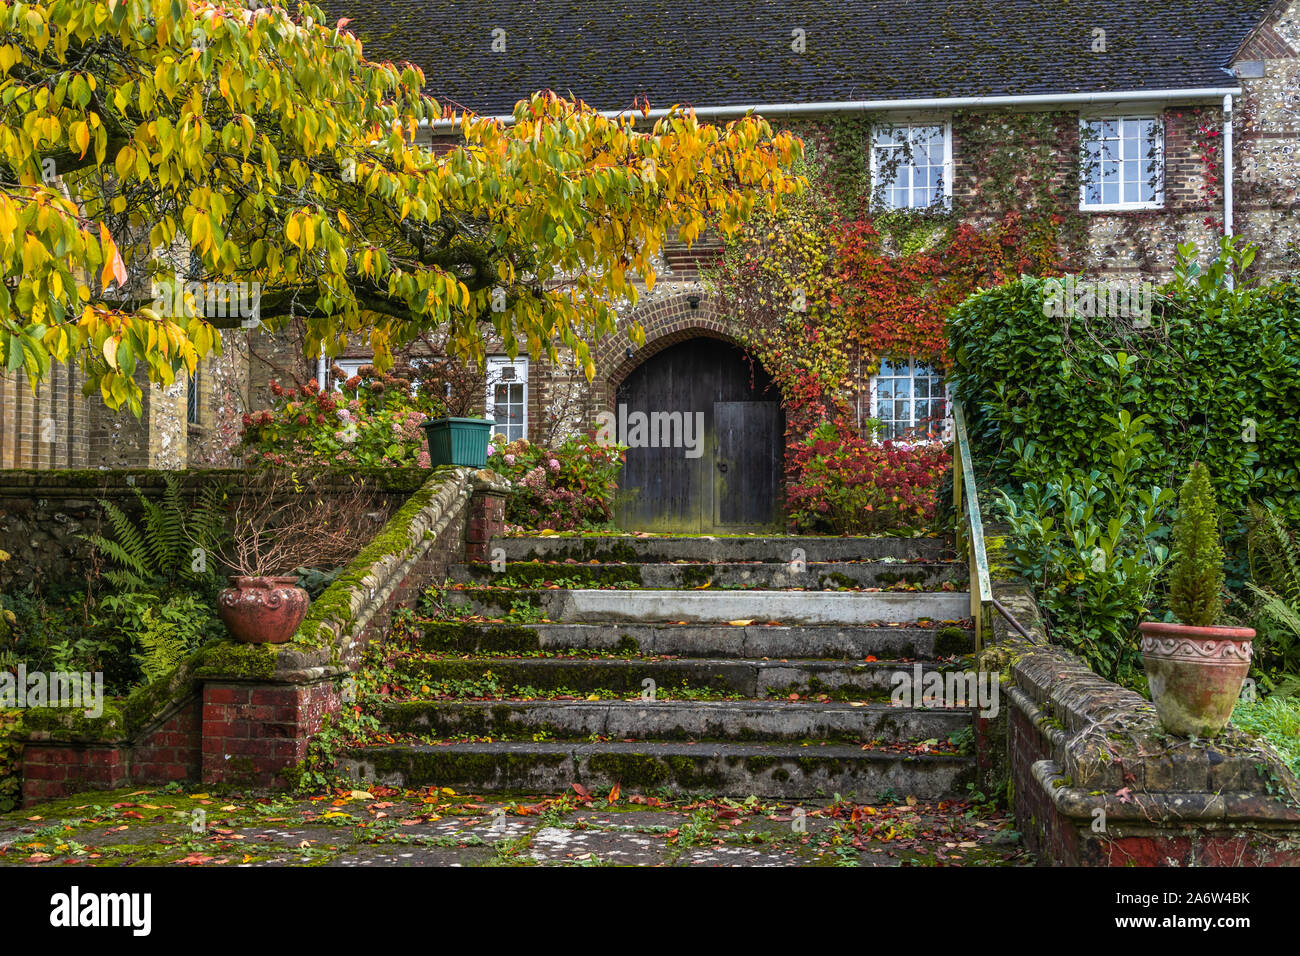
(496, 364)
(1158, 126)
(912, 363)
(352, 366)
(879, 191)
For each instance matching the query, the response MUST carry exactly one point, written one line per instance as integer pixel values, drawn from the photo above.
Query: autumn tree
(261, 147)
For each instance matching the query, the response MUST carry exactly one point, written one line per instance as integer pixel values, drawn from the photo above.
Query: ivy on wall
(833, 284)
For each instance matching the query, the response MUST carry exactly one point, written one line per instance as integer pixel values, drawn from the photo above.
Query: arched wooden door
(706, 446)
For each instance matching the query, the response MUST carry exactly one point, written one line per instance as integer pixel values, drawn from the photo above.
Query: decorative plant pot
(1195, 674)
(263, 610)
(458, 441)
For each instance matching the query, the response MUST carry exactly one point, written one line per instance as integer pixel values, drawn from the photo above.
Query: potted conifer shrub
(1194, 668)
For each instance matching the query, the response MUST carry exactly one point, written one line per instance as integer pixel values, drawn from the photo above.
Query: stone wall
(212, 441)
(45, 428)
(44, 513)
(1268, 140)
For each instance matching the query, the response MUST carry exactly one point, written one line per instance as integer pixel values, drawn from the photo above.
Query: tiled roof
(739, 52)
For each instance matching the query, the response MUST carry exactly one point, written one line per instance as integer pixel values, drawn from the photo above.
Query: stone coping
(1108, 748)
(82, 483)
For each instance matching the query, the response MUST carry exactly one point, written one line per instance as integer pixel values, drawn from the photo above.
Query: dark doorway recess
(707, 436)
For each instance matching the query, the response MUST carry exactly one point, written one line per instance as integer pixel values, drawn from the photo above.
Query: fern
(163, 646)
(157, 546)
(1274, 554)
(127, 549)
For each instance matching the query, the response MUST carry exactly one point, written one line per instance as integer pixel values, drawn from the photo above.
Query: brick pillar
(252, 733)
(487, 517)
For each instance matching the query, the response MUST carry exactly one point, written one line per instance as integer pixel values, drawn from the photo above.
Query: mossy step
(719, 549)
(732, 769)
(815, 576)
(748, 678)
(714, 606)
(704, 640)
(753, 720)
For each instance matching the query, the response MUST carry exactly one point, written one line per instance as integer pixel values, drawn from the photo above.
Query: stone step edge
(666, 747)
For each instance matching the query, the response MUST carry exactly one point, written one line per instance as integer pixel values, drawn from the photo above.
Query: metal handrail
(970, 529)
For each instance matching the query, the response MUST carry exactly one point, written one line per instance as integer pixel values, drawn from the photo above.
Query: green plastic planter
(457, 441)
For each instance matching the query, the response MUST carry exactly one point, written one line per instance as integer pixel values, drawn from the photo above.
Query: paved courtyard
(437, 827)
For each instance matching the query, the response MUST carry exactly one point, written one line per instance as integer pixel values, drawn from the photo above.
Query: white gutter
(936, 103)
(1227, 174)
(1227, 165)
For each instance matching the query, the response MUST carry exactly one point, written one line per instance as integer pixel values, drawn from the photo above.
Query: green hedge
(1039, 385)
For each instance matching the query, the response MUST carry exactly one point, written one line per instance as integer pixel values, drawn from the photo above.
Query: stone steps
(748, 720)
(704, 640)
(718, 607)
(697, 658)
(748, 678)
(716, 550)
(764, 769)
(814, 576)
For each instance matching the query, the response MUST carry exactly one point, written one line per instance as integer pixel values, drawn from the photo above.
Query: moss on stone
(532, 573)
(476, 638)
(695, 575)
(72, 724)
(953, 640)
(334, 606)
(236, 661)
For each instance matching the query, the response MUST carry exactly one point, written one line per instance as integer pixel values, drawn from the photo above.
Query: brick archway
(667, 321)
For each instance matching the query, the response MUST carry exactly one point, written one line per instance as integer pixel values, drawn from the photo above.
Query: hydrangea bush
(566, 488)
(372, 420)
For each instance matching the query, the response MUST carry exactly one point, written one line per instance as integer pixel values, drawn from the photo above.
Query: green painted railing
(970, 529)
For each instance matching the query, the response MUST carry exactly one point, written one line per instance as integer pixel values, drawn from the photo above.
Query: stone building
(1132, 105)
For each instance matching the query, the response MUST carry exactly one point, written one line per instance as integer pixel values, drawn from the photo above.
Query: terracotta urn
(263, 610)
(1195, 674)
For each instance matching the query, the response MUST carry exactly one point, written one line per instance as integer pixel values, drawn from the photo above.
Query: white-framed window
(1123, 162)
(910, 400)
(353, 366)
(507, 396)
(350, 368)
(911, 165)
